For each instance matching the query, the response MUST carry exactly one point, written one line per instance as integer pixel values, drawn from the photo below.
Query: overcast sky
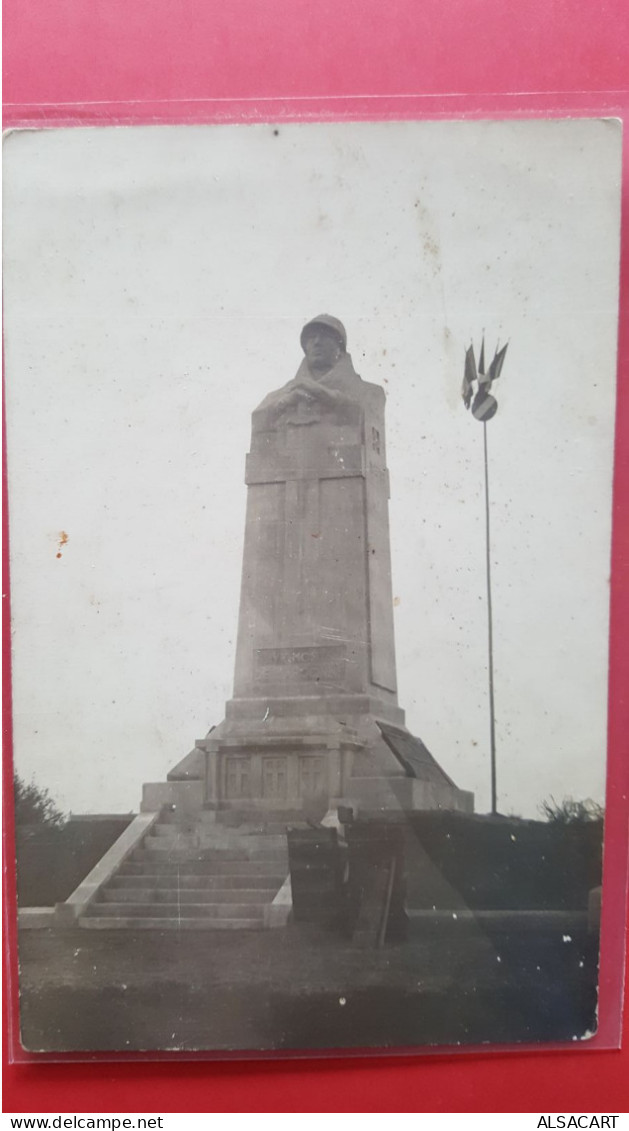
(156, 283)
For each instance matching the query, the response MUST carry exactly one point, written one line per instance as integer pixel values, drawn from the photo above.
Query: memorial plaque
(318, 663)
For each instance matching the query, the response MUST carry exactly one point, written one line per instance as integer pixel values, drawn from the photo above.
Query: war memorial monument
(314, 719)
(314, 724)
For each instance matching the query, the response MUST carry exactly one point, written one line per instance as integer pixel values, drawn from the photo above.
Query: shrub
(570, 812)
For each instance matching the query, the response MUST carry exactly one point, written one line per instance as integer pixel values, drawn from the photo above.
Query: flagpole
(484, 408)
(492, 724)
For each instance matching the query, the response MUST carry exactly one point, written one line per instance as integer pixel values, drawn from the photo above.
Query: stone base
(267, 761)
(35, 918)
(331, 707)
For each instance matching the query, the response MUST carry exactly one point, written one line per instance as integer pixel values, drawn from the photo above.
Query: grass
(300, 988)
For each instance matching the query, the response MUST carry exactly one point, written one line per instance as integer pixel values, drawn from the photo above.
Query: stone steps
(137, 923)
(218, 865)
(187, 876)
(238, 817)
(183, 851)
(198, 881)
(211, 841)
(221, 834)
(195, 895)
(178, 910)
(272, 828)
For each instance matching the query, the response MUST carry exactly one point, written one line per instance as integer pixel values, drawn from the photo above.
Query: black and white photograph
(310, 446)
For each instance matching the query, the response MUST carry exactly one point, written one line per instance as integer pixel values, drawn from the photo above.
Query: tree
(35, 806)
(571, 812)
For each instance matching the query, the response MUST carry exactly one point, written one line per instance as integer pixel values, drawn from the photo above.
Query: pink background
(97, 61)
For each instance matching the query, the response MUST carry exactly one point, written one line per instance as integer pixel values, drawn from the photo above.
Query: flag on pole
(495, 368)
(481, 364)
(484, 405)
(476, 392)
(469, 377)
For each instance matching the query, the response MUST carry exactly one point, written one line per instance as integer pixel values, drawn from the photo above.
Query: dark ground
(302, 988)
(52, 860)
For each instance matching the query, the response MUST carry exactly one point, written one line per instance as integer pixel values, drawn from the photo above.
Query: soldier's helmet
(331, 324)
